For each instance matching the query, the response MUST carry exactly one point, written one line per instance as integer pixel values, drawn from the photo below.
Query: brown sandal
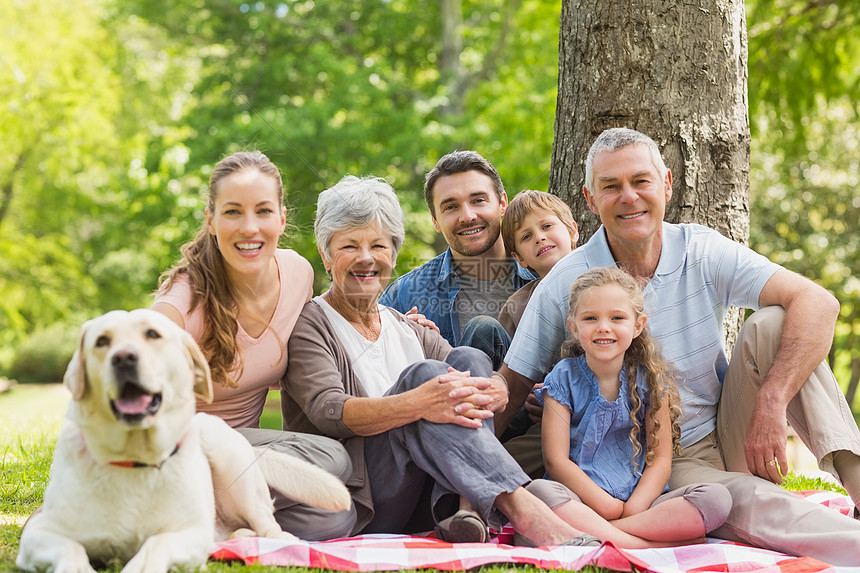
(463, 527)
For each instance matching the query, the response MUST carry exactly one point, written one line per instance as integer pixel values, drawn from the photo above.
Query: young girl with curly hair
(610, 422)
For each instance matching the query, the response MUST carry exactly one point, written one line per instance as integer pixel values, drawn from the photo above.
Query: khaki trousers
(764, 514)
(526, 450)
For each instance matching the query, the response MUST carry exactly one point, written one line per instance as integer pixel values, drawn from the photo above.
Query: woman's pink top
(265, 357)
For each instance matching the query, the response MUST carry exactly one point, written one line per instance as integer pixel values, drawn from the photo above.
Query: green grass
(30, 417)
(271, 416)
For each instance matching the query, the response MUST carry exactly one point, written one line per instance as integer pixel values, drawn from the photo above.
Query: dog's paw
(285, 535)
(274, 533)
(242, 533)
(41, 551)
(69, 567)
(185, 549)
(64, 566)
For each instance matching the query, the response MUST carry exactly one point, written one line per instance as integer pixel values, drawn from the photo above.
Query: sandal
(584, 540)
(463, 527)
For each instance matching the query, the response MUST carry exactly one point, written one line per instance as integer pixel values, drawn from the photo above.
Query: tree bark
(675, 71)
(854, 381)
(450, 68)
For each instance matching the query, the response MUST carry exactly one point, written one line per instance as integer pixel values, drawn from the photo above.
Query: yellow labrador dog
(138, 476)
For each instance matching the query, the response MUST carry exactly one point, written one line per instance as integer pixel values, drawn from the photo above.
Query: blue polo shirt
(433, 288)
(700, 274)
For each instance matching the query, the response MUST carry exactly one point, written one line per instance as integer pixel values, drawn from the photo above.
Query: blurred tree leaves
(805, 156)
(330, 88)
(78, 100)
(114, 111)
(800, 52)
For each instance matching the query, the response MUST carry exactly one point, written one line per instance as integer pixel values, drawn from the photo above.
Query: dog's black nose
(124, 359)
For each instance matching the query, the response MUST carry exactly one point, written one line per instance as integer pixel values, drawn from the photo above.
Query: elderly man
(734, 424)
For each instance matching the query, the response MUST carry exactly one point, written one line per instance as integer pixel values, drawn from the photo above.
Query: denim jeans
(487, 335)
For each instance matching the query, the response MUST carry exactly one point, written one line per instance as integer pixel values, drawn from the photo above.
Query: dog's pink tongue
(133, 405)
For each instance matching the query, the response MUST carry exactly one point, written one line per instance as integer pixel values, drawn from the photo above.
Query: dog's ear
(202, 377)
(75, 378)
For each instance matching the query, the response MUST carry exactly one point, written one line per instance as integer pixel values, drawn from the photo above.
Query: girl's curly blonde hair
(643, 353)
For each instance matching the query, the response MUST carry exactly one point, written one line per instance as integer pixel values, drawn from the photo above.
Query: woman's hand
(450, 398)
(455, 398)
(478, 397)
(418, 318)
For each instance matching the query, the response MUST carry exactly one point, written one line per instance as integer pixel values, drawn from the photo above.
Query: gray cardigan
(319, 379)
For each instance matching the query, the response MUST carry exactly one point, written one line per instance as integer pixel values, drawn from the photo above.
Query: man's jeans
(487, 335)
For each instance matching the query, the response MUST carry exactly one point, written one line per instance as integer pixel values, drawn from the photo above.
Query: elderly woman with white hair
(414, 414)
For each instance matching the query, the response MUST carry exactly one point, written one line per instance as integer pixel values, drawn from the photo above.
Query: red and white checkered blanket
(396, 552)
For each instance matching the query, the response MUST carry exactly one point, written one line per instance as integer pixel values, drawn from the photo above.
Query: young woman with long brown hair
(239, 295)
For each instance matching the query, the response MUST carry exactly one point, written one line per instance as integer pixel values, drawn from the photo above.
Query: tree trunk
(854, 381)
(851, 391)
(675, 71)
(450, 68)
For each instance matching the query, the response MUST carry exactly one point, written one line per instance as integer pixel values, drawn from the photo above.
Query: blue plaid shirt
(433, 287)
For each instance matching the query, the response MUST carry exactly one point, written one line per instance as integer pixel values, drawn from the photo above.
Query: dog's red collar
(134, 464)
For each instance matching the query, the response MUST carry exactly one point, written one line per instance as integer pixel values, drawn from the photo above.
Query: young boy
(538, 230)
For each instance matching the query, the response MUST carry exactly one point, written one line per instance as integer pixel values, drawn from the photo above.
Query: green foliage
(809, 206)
(801, 51)
(271, 416)
(805, 152)
(44, 355)
(794, 482)
(55, 115)
(83, 228)
(114, 112)
(40, 282)
(356, 87)
(26, 466)
(808, 212)
(514, 113)
(30, 418)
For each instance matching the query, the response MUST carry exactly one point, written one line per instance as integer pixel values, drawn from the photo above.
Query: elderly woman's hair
(357, 202)
(617, 138)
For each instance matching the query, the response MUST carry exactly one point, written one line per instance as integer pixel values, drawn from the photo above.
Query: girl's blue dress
(600, 429)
